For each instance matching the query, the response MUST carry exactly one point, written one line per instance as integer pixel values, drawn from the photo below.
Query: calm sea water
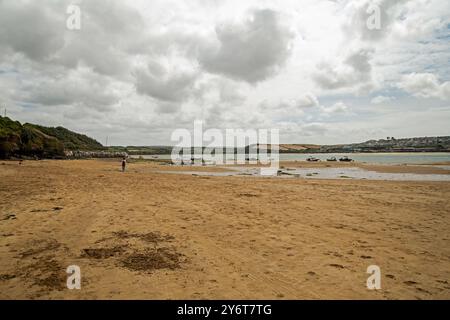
(394, 158)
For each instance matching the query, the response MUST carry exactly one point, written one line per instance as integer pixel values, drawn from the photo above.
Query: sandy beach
(144, 234)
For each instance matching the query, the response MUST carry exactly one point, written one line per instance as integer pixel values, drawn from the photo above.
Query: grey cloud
(109, 29)
(219, 91)
(315, 128)
(160, 83)
(252, 51)
(31, 28)
(307, 101)
(168, 107)
(355, 71)
(38, 30)
(230, 93)
(81, 88)
(114, 18)
(102, 59)
(356, 26)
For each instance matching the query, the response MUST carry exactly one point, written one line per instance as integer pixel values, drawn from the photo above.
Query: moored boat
(345, 159)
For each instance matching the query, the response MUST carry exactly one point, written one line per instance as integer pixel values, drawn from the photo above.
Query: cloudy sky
(137, 70)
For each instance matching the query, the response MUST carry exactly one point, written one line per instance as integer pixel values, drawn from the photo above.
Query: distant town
(391, 144)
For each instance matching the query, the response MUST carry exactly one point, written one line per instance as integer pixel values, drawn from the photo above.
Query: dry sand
(144, 234)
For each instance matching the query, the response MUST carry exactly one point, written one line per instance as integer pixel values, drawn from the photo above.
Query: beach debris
(345, 159)
(247, 195)
(336, 265)
(312, 174)
(38, 210)
(296, 175)
(6, 235)
(5, 277)
(10, 216)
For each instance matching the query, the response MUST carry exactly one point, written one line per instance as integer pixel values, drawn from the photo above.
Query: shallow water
(324, 173)
(392, 158)
(360, 174)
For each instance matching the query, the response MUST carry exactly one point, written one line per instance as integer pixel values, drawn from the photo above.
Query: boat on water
(332, 159)
(312, 159)
(345, 159)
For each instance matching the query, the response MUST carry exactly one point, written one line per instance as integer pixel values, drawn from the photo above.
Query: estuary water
(386, 158)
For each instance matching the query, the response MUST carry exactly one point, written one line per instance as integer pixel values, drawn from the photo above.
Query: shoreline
(440, 168)
(286, 166)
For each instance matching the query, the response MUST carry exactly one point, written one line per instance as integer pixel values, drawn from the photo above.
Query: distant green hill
(70, 139)
(30, 140)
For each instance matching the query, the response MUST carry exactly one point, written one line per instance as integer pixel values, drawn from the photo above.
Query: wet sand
(149, 235)
(387, 168)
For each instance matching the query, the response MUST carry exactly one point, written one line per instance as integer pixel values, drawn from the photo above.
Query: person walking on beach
(124, 164)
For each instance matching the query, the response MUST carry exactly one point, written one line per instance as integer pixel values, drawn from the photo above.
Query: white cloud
(137, 70)
(354, 72)
(289, 108)
(426, 85)
(251, 51)
(338, 107)
(307, 101)
(381, 99)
